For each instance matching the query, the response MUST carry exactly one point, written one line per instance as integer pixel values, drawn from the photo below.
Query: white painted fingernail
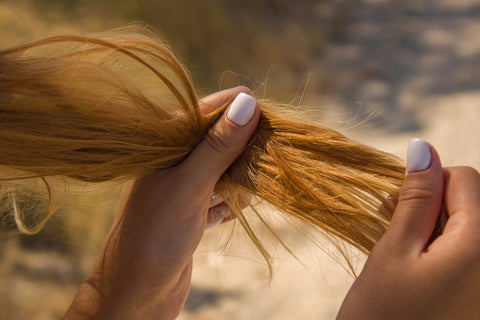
(211, 225)
(215, 199)
(242, 109)
(418, 155)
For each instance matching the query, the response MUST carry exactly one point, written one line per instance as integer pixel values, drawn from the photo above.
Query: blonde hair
(120, 105)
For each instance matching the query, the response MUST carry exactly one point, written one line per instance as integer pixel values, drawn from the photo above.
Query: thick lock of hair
(119, 105)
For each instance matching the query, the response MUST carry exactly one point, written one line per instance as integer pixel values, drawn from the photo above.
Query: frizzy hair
(119, 105)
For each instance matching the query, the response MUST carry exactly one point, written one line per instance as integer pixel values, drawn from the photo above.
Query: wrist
(101, 299)
(86, 303)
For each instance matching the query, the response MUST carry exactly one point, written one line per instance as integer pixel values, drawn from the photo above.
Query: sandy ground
(410, 69)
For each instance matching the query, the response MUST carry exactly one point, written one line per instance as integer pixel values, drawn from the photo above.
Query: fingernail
(211, 225)
(242, 109)
(215, 199)
(216, 214)
(418, 155)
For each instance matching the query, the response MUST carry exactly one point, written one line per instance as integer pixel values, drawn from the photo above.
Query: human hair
(119, 105)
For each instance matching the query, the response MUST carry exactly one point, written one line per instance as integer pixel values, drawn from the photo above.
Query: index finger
(462, 205)
(462, 192)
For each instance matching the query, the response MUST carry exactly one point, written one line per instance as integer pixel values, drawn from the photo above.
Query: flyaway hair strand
(119, 105)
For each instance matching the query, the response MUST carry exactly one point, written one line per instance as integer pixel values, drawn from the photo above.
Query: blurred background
(381, 72)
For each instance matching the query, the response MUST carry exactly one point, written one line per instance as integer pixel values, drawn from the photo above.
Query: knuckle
(416, 193)
(216, 140)
(465, 171)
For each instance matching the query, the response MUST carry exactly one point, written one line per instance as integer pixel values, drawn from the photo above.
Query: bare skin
(144, 268)
(405, 277)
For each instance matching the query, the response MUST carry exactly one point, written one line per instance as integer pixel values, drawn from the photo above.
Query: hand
(145, 266)
(406, 276)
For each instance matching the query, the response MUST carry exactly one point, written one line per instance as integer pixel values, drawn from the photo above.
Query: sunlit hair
(119, 105)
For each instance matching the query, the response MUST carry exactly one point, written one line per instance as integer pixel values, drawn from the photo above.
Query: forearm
(91, 303)
(110, 292)
(87, 303)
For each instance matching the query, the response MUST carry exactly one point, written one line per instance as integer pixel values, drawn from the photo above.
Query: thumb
(224, 142)
(420, 199)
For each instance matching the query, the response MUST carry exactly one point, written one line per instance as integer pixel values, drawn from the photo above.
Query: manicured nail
(418, 155)
(215, 199)
(216, 214)
(242, 109)
(211, 225)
